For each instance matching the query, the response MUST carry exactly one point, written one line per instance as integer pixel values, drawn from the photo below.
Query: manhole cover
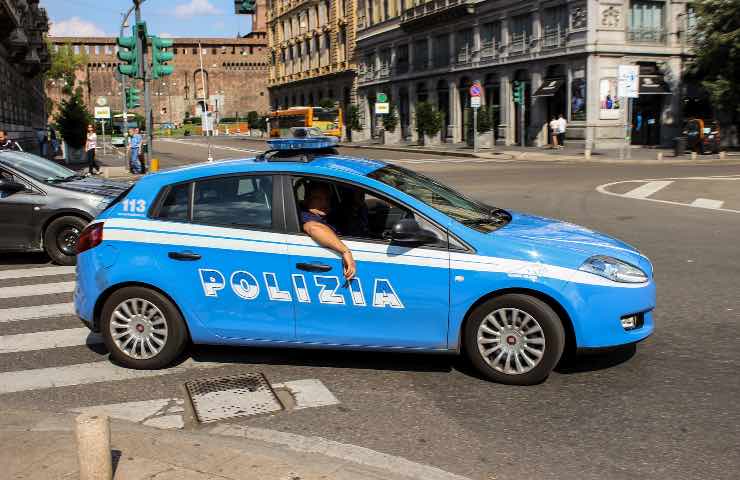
(220, 398)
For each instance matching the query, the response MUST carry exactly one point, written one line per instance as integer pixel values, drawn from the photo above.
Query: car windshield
(442, 198)
(38, 168)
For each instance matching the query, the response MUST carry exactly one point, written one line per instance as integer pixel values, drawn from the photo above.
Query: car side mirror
(408, 231)
(9, 186)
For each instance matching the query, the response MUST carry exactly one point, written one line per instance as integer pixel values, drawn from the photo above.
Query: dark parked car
(699, 135)
(45, 206)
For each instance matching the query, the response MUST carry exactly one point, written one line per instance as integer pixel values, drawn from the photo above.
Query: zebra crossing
(50, 361)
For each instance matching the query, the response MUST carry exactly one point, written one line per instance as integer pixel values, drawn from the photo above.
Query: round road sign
(475, 90)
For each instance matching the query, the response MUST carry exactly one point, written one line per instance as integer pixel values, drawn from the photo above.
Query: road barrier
(93, 447)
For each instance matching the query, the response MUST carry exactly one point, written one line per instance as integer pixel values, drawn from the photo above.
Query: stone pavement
(41, 445)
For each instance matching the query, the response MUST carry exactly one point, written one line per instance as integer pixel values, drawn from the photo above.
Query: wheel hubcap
(138, 328)
(67, 239)
(511, 341)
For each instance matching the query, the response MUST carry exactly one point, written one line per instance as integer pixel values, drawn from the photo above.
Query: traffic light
(128, 52)
(132, 97)
(518, 91)
(160, 57)
(245, 7)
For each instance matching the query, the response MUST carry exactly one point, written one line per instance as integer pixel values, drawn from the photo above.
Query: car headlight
(613, 269)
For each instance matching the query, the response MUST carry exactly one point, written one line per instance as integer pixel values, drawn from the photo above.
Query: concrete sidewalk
(41, 445)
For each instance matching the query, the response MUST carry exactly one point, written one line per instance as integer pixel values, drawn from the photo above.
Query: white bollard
(723, 155)
(587, 154)
(93, 447)
(660, 156)
(693, 155)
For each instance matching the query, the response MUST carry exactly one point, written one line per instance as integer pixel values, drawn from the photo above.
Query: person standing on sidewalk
(554, 125)
(90, 145)
(7, 144)
(134, 146)
(562, 126)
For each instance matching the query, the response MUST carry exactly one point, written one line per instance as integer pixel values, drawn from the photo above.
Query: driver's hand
(350, 268)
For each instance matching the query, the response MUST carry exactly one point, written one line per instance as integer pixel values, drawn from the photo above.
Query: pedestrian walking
(7, 144)
(562, 126)
(554, 125)
(54, 142)
(90, 145)
(134, 146)
(43, 143)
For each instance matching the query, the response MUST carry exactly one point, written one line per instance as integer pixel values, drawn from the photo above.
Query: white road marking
(35, 272)
(707, 203)
(308, 393)
(605, 190)
(40, 311)
(27, 342)
(647, 189)
(37, 289)
(214, 147)
(352, 453)
(85, 374)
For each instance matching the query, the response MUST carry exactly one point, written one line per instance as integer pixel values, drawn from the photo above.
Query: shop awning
(549, 87)
(653, 85)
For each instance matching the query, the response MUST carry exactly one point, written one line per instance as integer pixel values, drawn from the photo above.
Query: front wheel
(60, 239)
(515, 339)
(142, 328)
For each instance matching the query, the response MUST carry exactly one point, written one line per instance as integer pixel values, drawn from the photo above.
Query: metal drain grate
(220, 398)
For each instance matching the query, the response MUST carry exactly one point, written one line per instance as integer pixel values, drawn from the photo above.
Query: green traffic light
(245, 7)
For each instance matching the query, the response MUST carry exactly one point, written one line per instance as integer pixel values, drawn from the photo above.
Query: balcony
(464, 55)
(435, 12)
(555, 36)
(518, 44)
(487, 49)
(646, 35)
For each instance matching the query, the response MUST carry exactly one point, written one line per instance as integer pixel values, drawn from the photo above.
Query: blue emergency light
(303, 139)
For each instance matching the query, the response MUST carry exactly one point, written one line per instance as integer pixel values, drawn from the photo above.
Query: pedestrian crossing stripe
(35, 272)
(48, 339)
(37, 289)
(19, 314)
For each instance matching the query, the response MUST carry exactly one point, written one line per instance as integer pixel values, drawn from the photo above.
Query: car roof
(336, 165)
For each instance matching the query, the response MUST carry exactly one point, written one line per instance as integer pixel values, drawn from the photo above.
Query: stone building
(233, 78)
(566, 52)
(311, 51)
(23, 59)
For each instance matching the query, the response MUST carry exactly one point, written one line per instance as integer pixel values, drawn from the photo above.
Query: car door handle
(189, 256)
(313, 267)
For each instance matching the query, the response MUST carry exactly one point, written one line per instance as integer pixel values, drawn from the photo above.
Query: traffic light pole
(124, 124)
(147, 101)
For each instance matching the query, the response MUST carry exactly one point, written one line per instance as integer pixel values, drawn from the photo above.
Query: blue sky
(177, 18)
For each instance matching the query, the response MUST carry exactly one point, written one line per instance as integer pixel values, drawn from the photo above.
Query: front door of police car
(400, 295)
(233, 259)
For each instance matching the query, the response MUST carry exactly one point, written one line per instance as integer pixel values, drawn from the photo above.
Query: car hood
(553, 237)
(97, 186)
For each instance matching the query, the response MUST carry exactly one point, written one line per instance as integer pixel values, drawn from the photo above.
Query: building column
(412, 112)
(364, 108)
(430, 47)
(394, 138)
(475, 54)
(507, 105)
(455, 120)
(453, 51)
(537, 130)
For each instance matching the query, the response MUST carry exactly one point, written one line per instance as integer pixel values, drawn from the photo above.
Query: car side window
(358, 213)
(175, 204)
(235, 201)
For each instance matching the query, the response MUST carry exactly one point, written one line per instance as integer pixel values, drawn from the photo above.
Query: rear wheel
(142, 328)
(60, 239)
(515, 339)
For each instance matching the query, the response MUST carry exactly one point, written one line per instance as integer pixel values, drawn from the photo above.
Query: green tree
(327, 103)
(72, 120)
(252, 119)
(64, 65)
(717, 48)
(390, 119)
(428, 119)
(353, 118)
(485, 119)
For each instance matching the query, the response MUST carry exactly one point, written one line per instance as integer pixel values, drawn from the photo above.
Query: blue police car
(215, 254)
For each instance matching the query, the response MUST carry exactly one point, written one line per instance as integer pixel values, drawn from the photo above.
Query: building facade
(312, 54)
(23, 60)
(228, 76)
(565, 51)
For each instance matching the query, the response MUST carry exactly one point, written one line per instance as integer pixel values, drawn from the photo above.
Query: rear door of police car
(400, 295)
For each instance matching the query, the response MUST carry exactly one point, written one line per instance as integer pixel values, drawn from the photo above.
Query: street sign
(381, 98)
(628, 81)
(475, 90)
(382, 108)
(475, 102)
(102, 112)
(101, 102)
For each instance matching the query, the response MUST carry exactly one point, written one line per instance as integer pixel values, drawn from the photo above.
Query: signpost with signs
(628, 87)
(102, 113)
(475, 101)
(382, 107)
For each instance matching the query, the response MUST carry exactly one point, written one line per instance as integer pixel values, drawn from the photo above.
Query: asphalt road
(665, 410)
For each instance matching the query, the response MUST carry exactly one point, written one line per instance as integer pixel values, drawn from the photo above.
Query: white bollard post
(93, 447)
(693, 155)
(587, 154)
(660, 156)
(723, 155)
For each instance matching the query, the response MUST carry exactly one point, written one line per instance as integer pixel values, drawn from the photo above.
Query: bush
(485, 119)
(72, 120)
(353, 118)
(390, 120)
(253, 119)
(429, 121)
(327, 103)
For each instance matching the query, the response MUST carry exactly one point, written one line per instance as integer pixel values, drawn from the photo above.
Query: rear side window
(234, 201)
(175, 204)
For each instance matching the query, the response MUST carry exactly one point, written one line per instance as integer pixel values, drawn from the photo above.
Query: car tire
(142, 329)
(514, 339)
(60, 239)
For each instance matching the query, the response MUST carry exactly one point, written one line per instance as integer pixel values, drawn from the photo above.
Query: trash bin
(679, 146)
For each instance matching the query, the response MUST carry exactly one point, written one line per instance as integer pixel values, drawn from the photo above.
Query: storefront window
(578, 96)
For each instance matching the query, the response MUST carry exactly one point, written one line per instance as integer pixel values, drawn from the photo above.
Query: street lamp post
(124, 124)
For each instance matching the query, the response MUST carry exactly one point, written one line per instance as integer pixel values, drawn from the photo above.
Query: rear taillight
(91, 236)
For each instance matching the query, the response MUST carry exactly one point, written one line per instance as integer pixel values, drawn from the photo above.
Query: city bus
(328, 120)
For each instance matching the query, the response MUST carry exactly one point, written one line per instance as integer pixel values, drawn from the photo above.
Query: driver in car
(314, 211)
